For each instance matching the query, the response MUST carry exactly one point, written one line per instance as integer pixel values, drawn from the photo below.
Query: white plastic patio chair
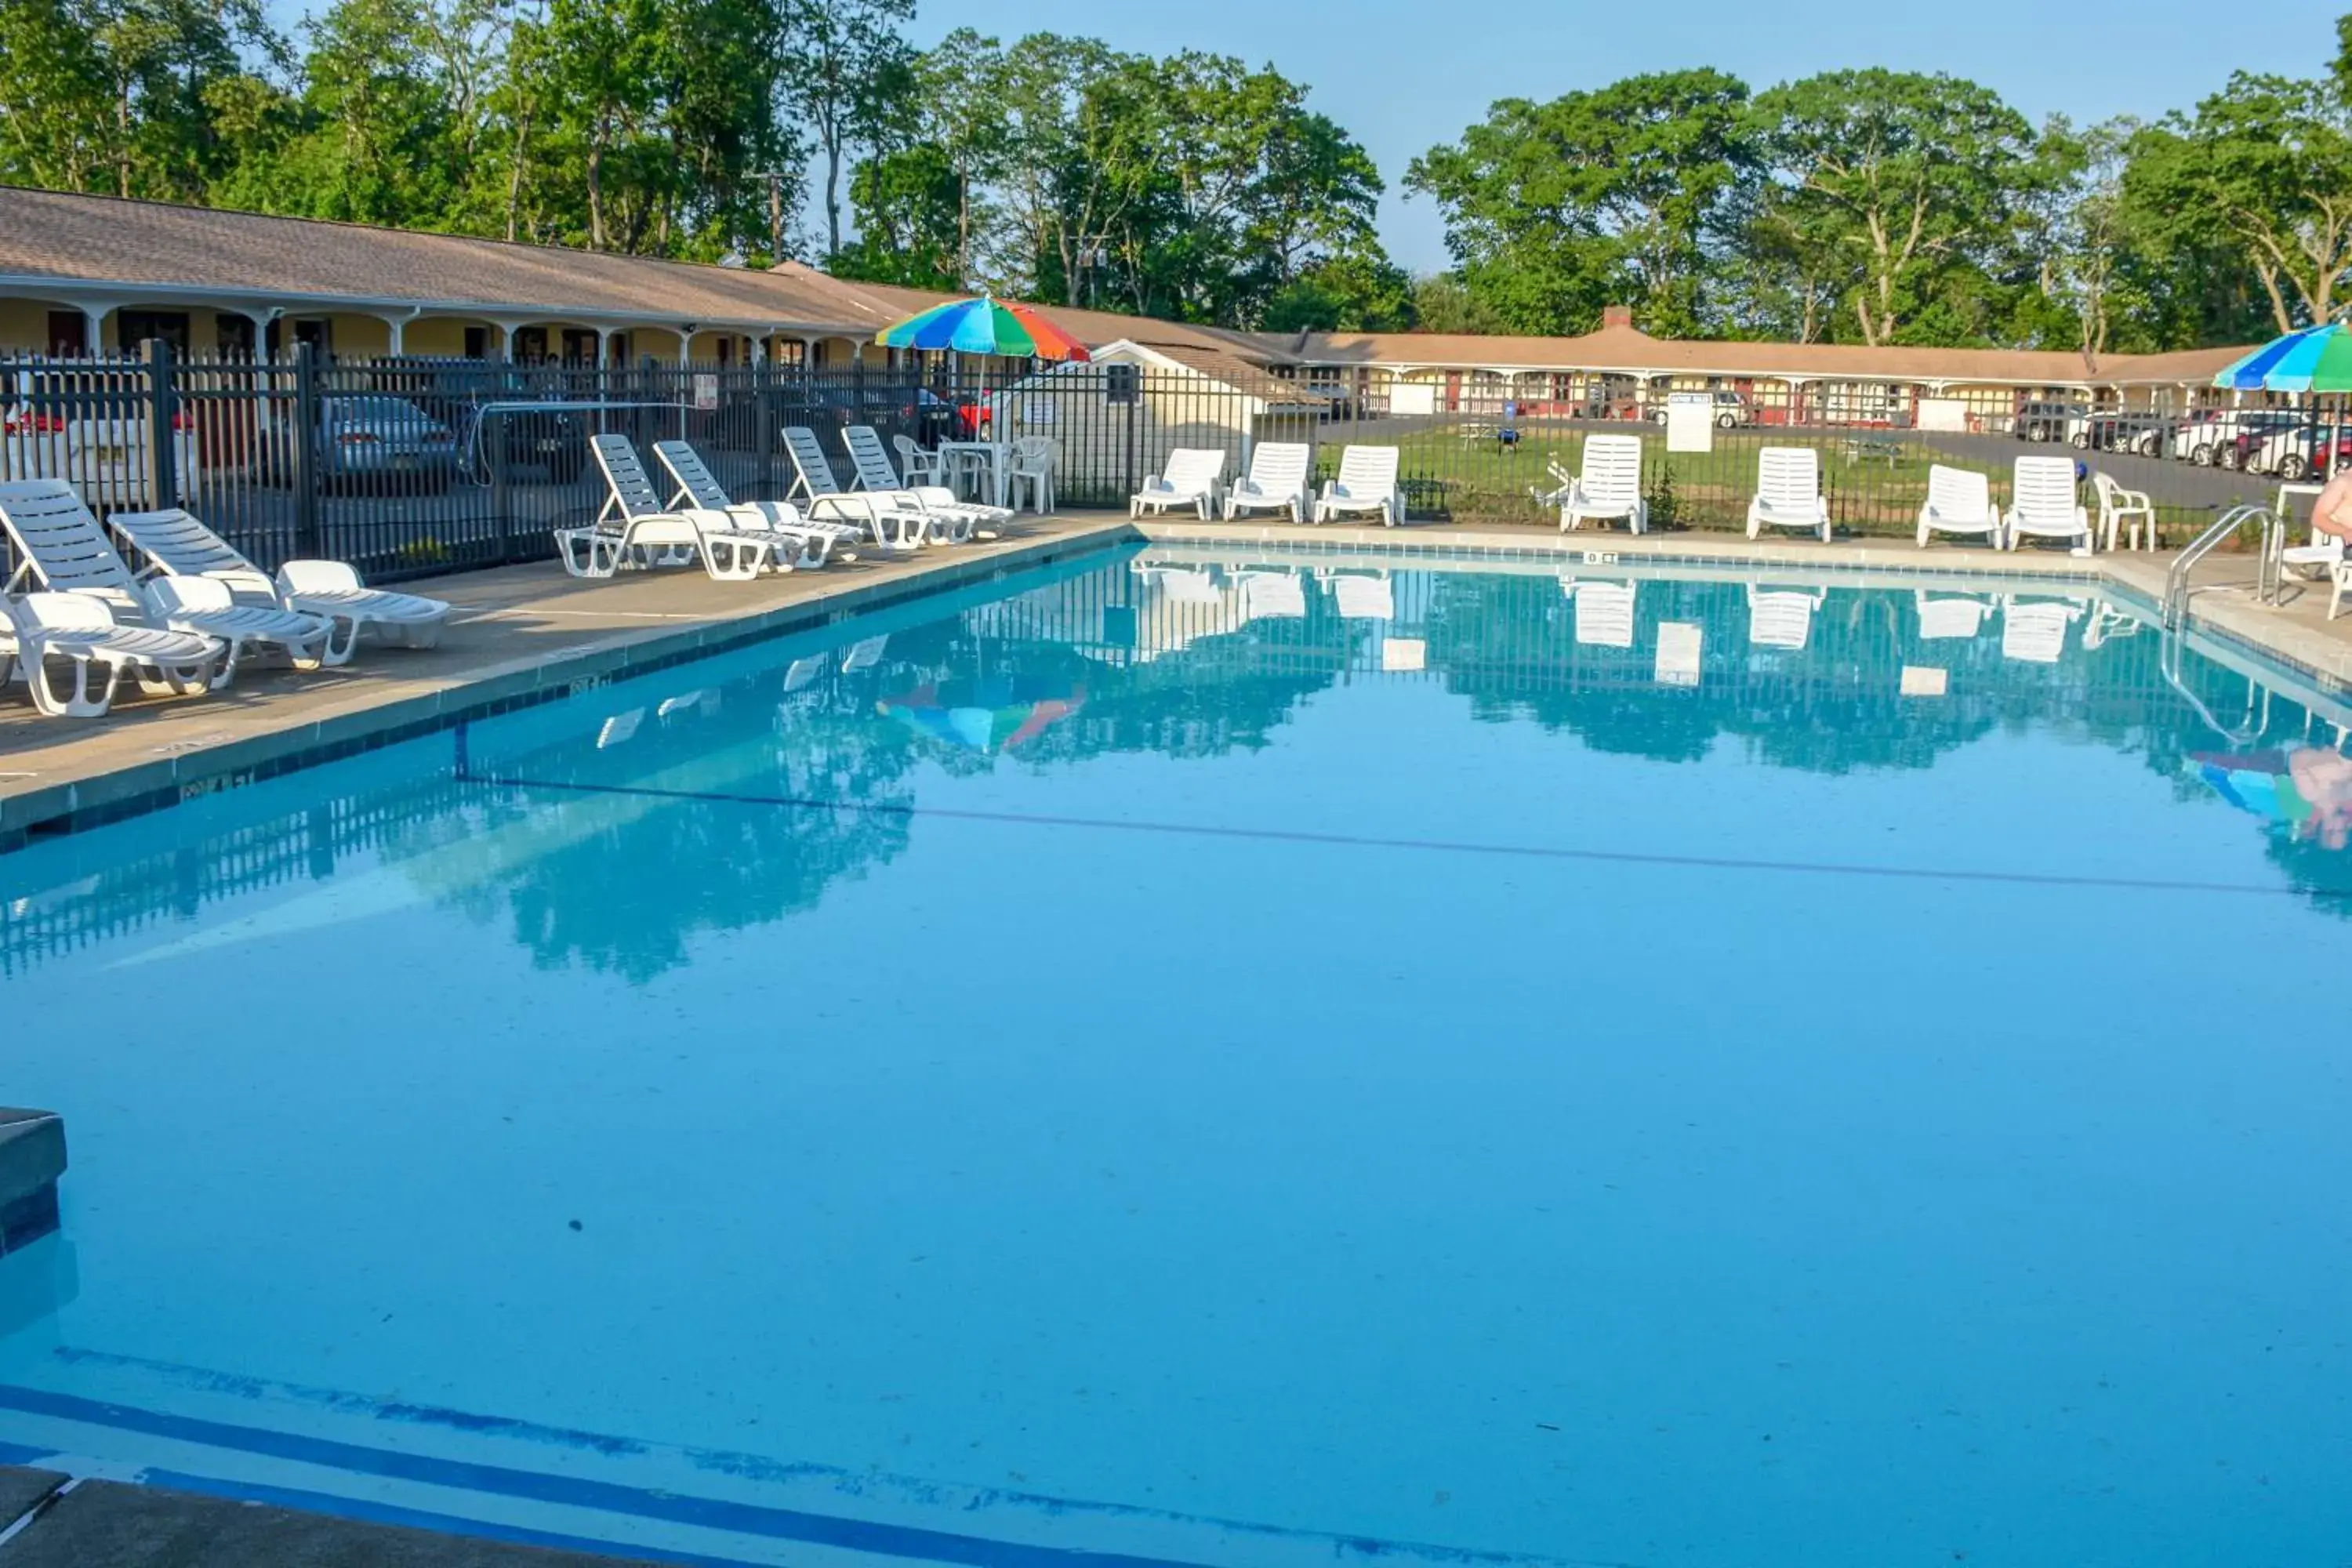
(1031, 463)
(1608, 487)
(1367, 483)
(2033, 631)
(952, 520)
(892, 522)
(176, 543)
(2322, 558)
(80, 629)
(1193, 477)
(1789, 492)
(61, 546)
(2041, 503)
(1604, 611)
(1949, 616)
(2129, 509)
(1276, 482)
(1960, 500)
(635, 529)
(1782, 617)
(817, 542)
(922, 465)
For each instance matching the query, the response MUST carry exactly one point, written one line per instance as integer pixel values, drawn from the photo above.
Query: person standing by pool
(2332, 512)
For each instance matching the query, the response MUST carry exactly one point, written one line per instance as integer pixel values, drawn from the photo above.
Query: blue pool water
(1197, 1062)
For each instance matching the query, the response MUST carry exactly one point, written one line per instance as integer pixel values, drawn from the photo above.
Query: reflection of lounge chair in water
(2106, 621)
(1278, 594)
(1782, 617)
(1604, 612)
(2033, 631)
(1362, 595)
(1180, 584)
(802, 671)
(1950, 616)
(865, 654)
(619, 728)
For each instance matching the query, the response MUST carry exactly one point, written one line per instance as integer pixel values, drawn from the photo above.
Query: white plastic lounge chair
(1276, 482)
(1947, 617)
(1362, 595)
(176, 543)
(957, 520)
(1604, 611)
(698, 487)
(61, 546)
(1789, 492)
(1193, 476)
(2041, 503)
(1367, 484)
(2033, 631)
(1609, 486)
(1960, 500)
(79, 628)
(1032, 463)
(2121, 508)
(635, 529)
(865, 654)
(1563, 485)
(1279, 594)
(1678, 653)
(890, 521)
(1781, 617)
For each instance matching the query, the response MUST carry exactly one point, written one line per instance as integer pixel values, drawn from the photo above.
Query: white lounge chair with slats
(1960, 500)
(176, 543)
(635, 529)
(892, 522)
(1366, 485)
(957, 521)
(1193, 476)
(1789, 492)
(817, 542)
(2119, 508)
(60, 546)
(1276, 482)
(1609, 487)
(80, 629)
(2041, 503)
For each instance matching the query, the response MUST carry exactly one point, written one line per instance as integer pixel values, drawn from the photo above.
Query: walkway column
(93, 319)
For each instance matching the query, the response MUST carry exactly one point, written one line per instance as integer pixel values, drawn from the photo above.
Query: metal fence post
(162, 438)
(763, 424)
(492, 442)
(303, 457)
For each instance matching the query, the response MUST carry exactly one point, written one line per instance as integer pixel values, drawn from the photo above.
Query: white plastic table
(989, 456)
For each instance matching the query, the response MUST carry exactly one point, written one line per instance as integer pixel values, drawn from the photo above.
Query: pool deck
(523, 634)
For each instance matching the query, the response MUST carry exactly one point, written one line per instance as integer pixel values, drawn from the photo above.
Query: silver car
(375, 435)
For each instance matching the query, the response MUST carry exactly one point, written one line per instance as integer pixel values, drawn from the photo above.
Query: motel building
(84, 276)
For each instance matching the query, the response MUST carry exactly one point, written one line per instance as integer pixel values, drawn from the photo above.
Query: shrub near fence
(408, 468)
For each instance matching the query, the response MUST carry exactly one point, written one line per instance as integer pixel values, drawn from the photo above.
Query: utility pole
(775, 178)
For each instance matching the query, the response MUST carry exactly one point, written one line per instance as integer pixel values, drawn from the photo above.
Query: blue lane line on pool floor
(1444, 846)
(605, 1497)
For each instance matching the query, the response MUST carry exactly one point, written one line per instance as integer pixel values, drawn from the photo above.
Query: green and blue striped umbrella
(2316, 359)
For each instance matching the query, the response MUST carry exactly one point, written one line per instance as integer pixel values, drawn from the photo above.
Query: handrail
(2176, 581)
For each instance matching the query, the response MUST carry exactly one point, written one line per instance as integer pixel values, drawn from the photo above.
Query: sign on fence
(706, 392)
(1411, 397)
(1690, 422)
(1943, 413)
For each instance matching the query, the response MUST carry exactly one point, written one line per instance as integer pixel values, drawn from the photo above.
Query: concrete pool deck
(523, 634)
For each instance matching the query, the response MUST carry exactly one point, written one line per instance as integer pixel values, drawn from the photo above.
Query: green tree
(907, 204)
(850, 82)
(1894, 179)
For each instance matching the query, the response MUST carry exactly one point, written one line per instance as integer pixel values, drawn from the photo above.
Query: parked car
(2293, 453)
(2120, 431)
(1731, 410)
(2206, 436)
(372, 438)
(80, 427)
(539, 437)
(2053, 422)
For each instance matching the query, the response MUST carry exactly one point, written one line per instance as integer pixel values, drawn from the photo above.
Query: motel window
(69, 333)
(478, 343)
(530, 345)
(233, 335)
(578, 346)
(617, 348)
(136, 327)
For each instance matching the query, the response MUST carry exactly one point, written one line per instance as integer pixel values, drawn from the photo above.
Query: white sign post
(1690, 422)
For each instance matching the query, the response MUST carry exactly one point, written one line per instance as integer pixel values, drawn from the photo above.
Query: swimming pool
(1187, 1060)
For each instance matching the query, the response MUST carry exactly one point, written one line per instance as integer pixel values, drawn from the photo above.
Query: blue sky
(1404, 77)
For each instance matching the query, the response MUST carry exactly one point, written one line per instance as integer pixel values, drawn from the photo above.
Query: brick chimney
(1616, 316)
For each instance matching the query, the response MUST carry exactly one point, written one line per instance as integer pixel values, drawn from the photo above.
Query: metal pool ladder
(2184, 565)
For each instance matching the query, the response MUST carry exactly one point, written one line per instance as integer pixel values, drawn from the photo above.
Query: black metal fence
(408, 468)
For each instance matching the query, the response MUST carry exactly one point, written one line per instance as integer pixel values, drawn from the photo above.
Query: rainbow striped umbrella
(2316, 359)
(983, 326)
